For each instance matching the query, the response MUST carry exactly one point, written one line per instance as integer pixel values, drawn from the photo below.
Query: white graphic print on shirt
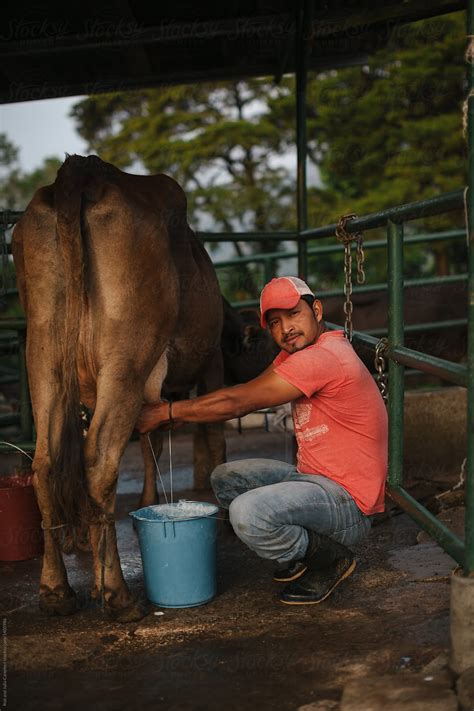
(302, 415)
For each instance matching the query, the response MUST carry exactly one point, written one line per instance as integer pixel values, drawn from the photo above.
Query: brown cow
(119, 296)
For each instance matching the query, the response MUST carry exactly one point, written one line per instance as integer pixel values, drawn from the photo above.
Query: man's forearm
(220, 405)
(267, 390)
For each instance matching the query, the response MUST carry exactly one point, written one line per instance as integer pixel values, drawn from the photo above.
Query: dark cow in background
(247, 349)
(122, 306)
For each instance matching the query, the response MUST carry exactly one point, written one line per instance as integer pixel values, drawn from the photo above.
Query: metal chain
(360, 260)
(380, 366)
(346, 238)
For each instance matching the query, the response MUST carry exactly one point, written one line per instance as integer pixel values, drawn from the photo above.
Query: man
(305, 517)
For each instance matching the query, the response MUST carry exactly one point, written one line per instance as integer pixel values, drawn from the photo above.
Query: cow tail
(68, 487)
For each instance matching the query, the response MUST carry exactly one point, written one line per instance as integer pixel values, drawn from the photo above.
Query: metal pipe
(423, 327)
(400, 213)
(9, 418)
(453, 372)
(469, 525)
(395, 338)
(10, 217)
(301, 52)
(13, 324)
(451, 279)
(247, 236)
(446, 538)
(330, 249)
(326, 249)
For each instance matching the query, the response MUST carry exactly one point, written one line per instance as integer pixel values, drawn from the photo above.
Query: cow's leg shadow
(209, 440)
(108, 435)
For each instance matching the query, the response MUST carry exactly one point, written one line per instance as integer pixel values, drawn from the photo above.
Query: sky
(41, 129)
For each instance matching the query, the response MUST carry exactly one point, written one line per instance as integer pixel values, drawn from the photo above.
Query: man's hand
(152, 416)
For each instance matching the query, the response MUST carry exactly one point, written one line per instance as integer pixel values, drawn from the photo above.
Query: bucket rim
(214, 508)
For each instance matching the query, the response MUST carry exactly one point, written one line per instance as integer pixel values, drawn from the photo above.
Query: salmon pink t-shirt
(341, 421)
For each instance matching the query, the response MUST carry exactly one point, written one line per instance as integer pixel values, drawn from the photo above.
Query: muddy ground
(242, 650)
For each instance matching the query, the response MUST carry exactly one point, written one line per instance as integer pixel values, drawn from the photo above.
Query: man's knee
(244, 513)
(219, 474)
(238, 513)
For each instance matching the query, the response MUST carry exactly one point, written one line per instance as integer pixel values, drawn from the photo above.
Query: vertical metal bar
(269, 269)
(301, 53)
(26, 417)
(396, 379)
(469, 527)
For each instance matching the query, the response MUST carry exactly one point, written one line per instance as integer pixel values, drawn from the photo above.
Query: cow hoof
(133, 612)
(54, 602)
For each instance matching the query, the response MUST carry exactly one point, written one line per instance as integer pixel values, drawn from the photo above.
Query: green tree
(16, 186)
(8, 152)
(390, 131)
(380, 134)
(218, 141)
(16, 190)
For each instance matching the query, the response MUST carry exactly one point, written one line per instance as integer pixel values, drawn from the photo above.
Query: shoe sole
(316, 602)
(289, 580)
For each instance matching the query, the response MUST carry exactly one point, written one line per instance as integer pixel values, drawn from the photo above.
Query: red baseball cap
(281, 293)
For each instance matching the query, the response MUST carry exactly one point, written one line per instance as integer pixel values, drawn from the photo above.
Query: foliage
(390, 132)
(380, 134)
(218, 141)
(16, 186)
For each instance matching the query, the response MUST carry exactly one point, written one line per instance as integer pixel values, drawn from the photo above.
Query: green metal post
(396, 376)
(269, 269)
(469, 530)
(26, 417)
(302, 46)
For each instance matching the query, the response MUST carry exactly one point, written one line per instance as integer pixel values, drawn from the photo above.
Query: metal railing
(399, 356)
(393, 220)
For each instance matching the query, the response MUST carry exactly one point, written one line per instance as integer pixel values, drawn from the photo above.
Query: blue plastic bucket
(178, 549)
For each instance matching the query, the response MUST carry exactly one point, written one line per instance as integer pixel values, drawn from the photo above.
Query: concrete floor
(244, 649)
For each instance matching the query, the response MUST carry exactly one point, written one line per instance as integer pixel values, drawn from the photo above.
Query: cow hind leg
(110, 430)
(209, 440)
(56, 597)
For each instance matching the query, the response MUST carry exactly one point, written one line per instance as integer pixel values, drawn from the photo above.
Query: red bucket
(21, 536)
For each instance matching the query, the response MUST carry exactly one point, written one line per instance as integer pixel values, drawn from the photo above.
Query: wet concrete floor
(242, 650)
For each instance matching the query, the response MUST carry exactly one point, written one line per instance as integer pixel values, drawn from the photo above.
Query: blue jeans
(272, 506)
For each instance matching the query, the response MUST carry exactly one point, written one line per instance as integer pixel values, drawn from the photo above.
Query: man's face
(296, 328)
